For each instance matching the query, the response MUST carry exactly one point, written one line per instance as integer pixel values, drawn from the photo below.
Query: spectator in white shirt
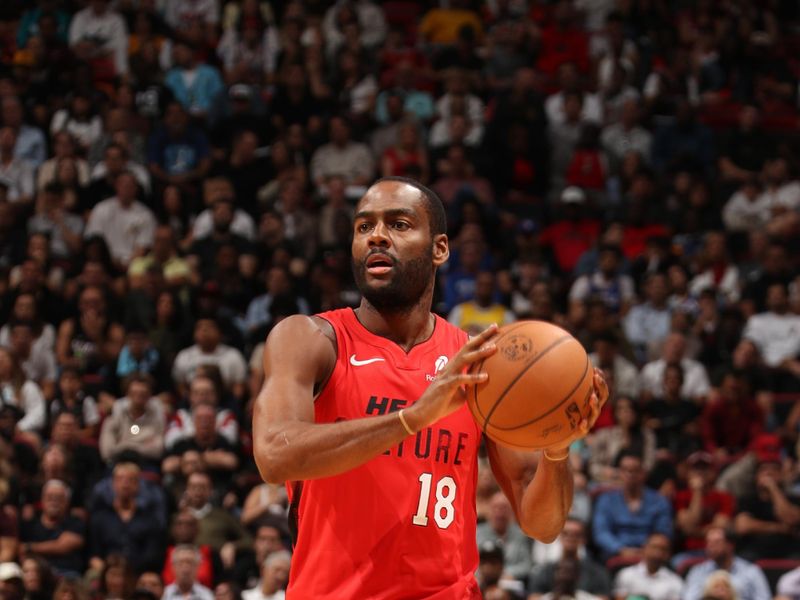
(746, 209)
(202, 390)
(647, 324)
(626, 136)
(98, 33)
(341, 156)
(214, 189)
(650, 577)
(776, 332)
(185, 560)
(789, 585)
(718, 271)
(274, 577)
(15, 173)
(695, 378)
(38, 362)
(606, 356)
(126, 224)
(208, 350)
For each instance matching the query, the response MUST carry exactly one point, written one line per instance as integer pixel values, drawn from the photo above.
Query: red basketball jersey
(402, 525)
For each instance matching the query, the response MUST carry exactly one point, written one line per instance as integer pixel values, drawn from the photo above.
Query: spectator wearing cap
(500, 528)
(476, 315)
(185, 562)
(592, 577)
(342, 156)
(650, 577)
(623, 519)
(768, 517)
(700, 507)
(127, 517)
(136, 424)
(208, 350)
(731, 419)
(748, 580)
(696, 385)
(11, 587)
(572, 234)
(55, 534)
(15, 173)
(126, 225)
(274, 578)
(776, 332)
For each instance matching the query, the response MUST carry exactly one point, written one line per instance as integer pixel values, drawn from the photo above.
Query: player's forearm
(296, 451)
(546, 500)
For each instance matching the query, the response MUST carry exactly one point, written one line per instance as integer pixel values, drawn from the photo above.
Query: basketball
(539, 386)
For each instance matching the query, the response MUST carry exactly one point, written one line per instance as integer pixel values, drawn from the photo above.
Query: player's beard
(407, 287)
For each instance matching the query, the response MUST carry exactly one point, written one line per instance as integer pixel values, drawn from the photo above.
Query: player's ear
(441, 249)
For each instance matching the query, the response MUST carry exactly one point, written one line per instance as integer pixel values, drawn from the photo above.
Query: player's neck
(406, 328)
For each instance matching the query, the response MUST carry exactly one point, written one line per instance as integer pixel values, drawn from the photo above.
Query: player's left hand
(596, 402)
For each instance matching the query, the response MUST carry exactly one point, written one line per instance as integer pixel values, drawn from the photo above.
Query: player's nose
(379, 236)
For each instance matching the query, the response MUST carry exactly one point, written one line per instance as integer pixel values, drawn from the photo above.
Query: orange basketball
(539, 387)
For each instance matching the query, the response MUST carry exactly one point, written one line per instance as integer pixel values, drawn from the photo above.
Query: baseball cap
(767, 448)
(490, 550)
(10, 570)
(700, 459)
(573, 195)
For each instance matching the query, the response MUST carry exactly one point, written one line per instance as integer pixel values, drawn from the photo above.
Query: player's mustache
(382, 254)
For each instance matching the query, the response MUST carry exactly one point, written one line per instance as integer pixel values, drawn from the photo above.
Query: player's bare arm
(542, 506)
(299, 357)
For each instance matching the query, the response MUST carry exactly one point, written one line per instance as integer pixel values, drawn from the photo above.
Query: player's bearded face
(403, 289)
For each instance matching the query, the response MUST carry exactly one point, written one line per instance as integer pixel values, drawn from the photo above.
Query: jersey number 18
(443, 511)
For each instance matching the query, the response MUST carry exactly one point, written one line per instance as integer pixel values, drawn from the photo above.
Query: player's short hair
(433, 204)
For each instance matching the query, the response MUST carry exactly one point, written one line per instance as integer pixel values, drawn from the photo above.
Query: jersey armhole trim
(324, 383)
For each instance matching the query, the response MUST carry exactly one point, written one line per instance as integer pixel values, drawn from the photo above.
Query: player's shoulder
(303, 332)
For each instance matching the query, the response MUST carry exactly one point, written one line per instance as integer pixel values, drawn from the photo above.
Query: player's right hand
(449, 391)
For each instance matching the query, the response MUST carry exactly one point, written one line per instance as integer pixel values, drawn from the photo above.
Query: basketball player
(362, 413)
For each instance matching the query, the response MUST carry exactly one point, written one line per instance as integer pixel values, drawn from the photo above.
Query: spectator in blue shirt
(748, 579)
(623, 519)
(177, 153)
(194, 85)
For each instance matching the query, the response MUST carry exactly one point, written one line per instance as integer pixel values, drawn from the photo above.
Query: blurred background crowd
(176, 176)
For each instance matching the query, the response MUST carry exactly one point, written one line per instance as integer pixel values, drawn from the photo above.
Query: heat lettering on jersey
(432, 442)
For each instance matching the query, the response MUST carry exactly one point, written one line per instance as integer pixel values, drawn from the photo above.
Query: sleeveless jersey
(402, 525)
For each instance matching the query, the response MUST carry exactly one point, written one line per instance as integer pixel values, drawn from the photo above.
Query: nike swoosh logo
(361, 363)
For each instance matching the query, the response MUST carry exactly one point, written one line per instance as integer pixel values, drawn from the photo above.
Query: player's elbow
(271, 460)
(541, 532)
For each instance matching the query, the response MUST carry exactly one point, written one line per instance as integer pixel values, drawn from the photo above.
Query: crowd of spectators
(176, 176)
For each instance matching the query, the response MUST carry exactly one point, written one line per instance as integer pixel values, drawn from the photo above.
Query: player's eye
(363, 227)
(401, 225)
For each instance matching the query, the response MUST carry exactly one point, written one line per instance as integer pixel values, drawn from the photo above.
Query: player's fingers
(594, 409)
(478, 340)
(600, 386)
(484, 351)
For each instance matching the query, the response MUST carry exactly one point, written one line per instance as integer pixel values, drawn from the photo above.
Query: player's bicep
(297, 355)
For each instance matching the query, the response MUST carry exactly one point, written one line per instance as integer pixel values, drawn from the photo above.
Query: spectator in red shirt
(731, 419)
(700, 507)
(574, 233)
(184, 531)
(562, 42)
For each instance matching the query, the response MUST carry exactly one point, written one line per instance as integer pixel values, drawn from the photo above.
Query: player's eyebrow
(392, 212)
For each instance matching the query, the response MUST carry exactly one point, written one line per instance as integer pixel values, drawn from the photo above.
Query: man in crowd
(650, 577)
(747, 579)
